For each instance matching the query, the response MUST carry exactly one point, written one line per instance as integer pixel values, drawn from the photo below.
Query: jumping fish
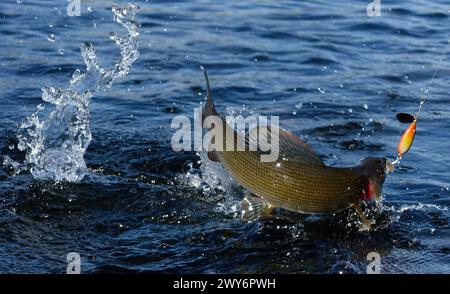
(299, 180)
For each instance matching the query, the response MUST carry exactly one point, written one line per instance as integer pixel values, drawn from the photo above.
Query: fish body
(294, 184)
(298, 180)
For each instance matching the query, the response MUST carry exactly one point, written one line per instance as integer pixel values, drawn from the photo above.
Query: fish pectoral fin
(364, 219)
(213, 156)
(254, 208)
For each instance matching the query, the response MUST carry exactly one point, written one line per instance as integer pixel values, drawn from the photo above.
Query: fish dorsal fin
(291, 147)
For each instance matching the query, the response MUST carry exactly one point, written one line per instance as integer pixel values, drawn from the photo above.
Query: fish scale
(294, 186)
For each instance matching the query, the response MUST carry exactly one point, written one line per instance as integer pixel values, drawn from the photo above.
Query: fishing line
(424, 96)
(408, 136)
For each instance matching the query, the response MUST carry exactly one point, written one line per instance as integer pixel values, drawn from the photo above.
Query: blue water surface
(335, 76)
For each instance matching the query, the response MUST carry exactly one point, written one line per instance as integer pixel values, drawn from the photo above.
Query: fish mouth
(388, 166)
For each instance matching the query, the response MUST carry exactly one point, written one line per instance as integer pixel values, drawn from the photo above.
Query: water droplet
(22, 146)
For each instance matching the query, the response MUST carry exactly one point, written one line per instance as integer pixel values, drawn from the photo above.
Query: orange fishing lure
(408, 136)
(407, 139)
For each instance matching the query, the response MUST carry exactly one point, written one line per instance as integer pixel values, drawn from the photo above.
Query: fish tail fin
(208, 109)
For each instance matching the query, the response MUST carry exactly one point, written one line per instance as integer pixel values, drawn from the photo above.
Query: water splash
(420, 206)
(55, 145)
(211, 177)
